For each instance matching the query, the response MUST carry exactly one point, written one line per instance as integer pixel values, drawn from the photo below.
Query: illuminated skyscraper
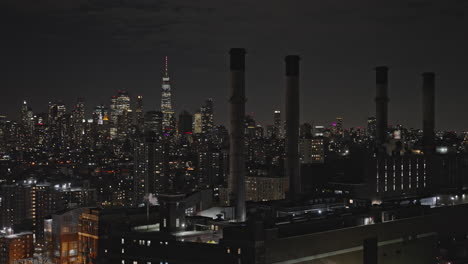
(166, 102)
(197, 123)
(56, 111)
(371, 127)
(277, 123)
(120, 114)
(153, 122)
(140, 119)
(207, 116)
(78, 117)
(338, 125)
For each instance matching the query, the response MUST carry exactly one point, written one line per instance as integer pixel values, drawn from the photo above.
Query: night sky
(64, 49)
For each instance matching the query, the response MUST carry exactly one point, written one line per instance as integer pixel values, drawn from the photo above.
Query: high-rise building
(207, 116)
(139, 115)
(305, 131)
(318, 150)
(27, 117)
(338, 126)
(371, 127)
(166, 102)
(279, 128)
(197, 123)
(100, 115)
(148, 167)
(65, 236)
(14, 247)
(120, 114)
(319, 131)
(185, 123)
(56, 111)
(78, 122)
(153, 122)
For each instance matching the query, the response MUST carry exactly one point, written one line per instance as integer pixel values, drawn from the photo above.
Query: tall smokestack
(381, 103)
(428, 112)
(292, 126)
(236, 134)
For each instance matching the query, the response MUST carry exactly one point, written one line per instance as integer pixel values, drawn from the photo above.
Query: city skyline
(264, 121)
(340, 46)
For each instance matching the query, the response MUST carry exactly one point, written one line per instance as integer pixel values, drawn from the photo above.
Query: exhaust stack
(236, 131)
(381, 103)
(428, 112)
(292, 165)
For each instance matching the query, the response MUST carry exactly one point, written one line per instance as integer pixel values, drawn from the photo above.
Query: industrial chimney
(292, 166)
(428, 112)
(236, 131)
(381, 103)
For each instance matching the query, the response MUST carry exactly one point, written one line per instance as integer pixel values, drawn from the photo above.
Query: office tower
(120, 115)
(24, 113)
(428, 112)
(319, 131)
(197, 123)
(305, 150)
(249, 127)
(338, 126)
(27, 117)
(153, 122)
(166, 102)
(237, 100)
(278, 124)
(100, 115)
(207, 116)
(139, 115)
(318, 150)
(270, 131)
(148, 166)
(78, 122)
(292, 166)
(56, 112)
(371, 127)
(305, 131)
(185, 123)
(212, 165)
(98, 130)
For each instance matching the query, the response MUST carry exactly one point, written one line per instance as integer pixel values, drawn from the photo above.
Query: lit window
(123, 241)
(238, 251)
(123, 250)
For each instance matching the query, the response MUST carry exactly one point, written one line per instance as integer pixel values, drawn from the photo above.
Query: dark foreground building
(401, 234)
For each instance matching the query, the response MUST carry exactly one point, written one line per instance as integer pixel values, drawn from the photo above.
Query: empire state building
(166, 103)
